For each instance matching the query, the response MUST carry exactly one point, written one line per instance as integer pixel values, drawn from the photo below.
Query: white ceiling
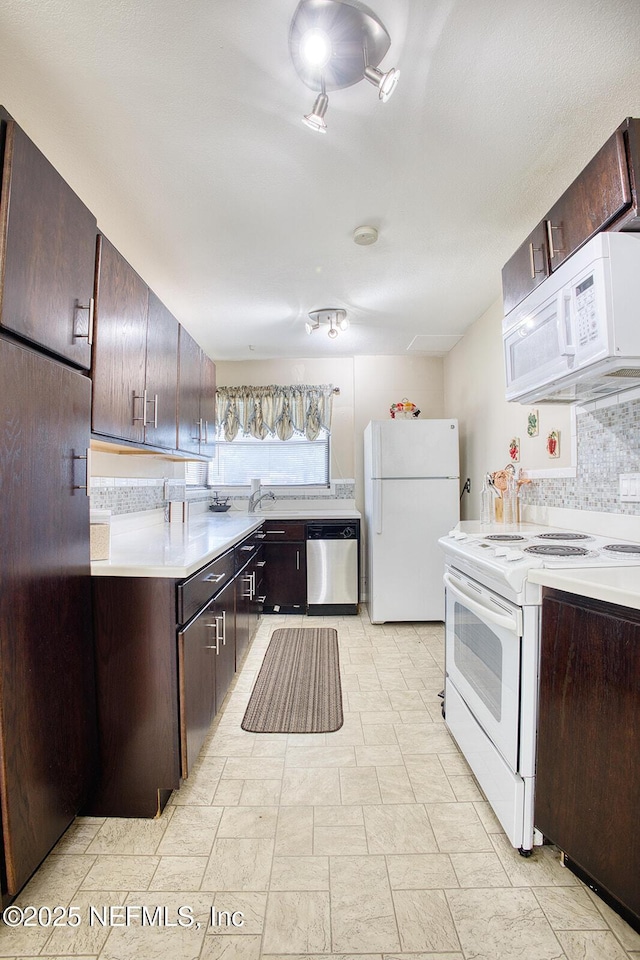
(179, 124)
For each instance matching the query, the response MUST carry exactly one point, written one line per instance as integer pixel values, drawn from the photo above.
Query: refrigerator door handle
(377, 506)
(377, 451)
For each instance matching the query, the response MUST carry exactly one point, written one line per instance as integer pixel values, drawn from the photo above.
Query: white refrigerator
(412, 498)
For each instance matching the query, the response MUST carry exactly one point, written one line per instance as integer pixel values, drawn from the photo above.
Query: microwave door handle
(496, 619)
(568, 348)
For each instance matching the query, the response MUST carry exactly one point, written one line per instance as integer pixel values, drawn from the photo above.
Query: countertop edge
(619, 585)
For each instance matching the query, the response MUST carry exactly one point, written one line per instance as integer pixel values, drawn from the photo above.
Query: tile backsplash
(608, 444)
(123, 495)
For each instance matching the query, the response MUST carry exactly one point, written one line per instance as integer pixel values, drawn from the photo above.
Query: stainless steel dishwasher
(332, 567)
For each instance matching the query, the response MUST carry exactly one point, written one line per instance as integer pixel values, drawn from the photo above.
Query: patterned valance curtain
(276, 411)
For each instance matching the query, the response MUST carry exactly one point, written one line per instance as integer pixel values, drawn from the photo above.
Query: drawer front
(287, 530)
(203, 585)
(247, 549)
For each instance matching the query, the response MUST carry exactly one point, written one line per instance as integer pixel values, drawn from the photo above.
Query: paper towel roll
(255, 485)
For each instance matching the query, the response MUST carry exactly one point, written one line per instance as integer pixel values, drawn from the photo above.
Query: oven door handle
(497, 619)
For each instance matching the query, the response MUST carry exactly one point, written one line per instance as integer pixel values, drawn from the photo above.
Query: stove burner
(504, 537)
(556, 550)
(622, 547)
(562, 536)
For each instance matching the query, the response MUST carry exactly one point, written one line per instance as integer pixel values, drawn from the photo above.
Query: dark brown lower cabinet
(588, 775)
(286, 577)
(47, 705)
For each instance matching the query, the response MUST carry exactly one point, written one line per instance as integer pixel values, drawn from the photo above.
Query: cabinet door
(161, 375)
(285, 575)
(207, 404)
(189, 421)
(119, 355)
(595, 198)
(47, 251)
(587, 774)
(526, 269)
(197, 652)
(47, 698)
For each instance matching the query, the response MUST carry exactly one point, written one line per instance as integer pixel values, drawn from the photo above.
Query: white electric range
(492, 649)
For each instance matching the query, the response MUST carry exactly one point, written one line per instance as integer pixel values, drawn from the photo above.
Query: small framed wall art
(514, 449)
(553, 443)
(533, 423)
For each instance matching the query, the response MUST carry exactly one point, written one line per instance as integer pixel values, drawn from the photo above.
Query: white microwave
(576, 337)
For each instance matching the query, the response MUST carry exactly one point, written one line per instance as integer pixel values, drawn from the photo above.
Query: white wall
(474, 387)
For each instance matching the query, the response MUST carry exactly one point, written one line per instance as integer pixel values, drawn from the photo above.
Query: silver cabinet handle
(249, 548)
(155, 410)
(87, 485)
(223, 618)
(260, 536)
(532, 260)
(253, 585)
(143, 397)
(213, 625)
(198, 424)
(261, 563)
(206, 431)
(214, 578)
(274, 531)
(552, 248)
(261, 599)
(297, 559)
(88, 336)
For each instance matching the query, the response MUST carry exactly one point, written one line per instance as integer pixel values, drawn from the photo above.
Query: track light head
(385, 82)
(315, 119)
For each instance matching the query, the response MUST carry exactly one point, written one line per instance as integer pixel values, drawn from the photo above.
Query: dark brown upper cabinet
(119, 356)
(604, 196)
(47, 247)
(135, 364)
(196, 398)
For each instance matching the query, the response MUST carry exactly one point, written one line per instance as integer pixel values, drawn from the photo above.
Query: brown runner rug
(298, 687)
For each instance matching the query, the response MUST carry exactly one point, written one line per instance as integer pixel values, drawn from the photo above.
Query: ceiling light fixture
(334, 44)
(335, 317)
(365, 235)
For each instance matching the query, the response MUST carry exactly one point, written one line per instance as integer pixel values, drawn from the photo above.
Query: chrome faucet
(256, 498)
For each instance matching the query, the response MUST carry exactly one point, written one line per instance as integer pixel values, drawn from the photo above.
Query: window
(294, 462)
(280, 434)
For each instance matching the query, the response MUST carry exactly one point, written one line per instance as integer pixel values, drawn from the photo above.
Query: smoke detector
(364, 236)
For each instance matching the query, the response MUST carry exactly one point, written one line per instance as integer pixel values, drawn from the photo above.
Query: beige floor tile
(424, 921)
(395, 786)
(342, 816)
(359, 785)
(78, 837)
(398, 828)
(231, 948)
(294, 834)
(425, 738)
(306, 739)
(628, 937)
(130, 836)
(56, 881)
(333, 841)
(373, 702)
(239, 865)
(362, 913)
(349, 733)
(507, 924)
(297, 922)
(457, 828)
(465, 788)
(591, 945)
(429, 782)
(253, 768)
(253, 822)
(406, 700)
(569, 908)
(259, 793)
(415, 716)
(542, 869)
(191, 831)
(421, 871)
(120, 873)
(386, 755)
(378, 734)
(487, 817)
(300, 873)
(163, 939)
(270, 748)
(302, 786)
(179, 873)
(228, 792)
(368, 717)
(479, 870)
(325, 756)
(89, 936)
(229, 908)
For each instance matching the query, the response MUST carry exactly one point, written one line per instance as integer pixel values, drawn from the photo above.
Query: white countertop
(619, 585)
(177, 550)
